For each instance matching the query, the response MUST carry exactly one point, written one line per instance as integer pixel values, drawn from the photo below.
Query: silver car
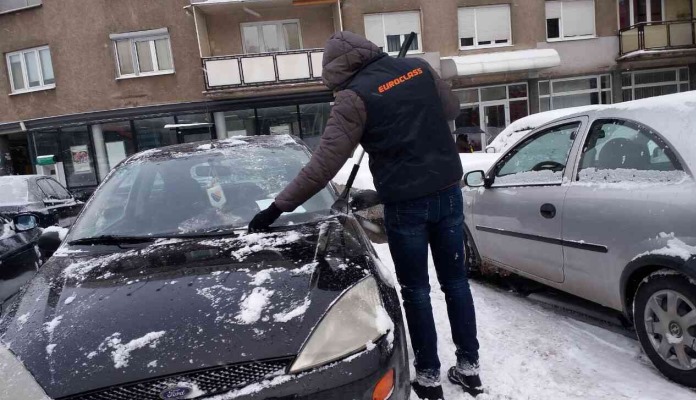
(602, 204)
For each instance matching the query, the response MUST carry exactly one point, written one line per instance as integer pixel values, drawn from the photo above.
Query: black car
(19, 253)
(162, 294)
(41, 195)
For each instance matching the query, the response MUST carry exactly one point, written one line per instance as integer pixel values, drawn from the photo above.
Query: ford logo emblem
(175, 393)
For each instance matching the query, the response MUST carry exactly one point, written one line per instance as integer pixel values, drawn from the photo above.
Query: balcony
(263, 44)
(658, 38)
(263, 69)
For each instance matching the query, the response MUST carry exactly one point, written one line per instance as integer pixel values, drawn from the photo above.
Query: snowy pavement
(531, 352)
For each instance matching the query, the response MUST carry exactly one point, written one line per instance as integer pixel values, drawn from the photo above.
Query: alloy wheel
(670, 322)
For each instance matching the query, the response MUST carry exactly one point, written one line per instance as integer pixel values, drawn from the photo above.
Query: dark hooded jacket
(397, 109)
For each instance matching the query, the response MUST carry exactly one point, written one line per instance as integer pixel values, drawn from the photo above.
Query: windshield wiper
(204, 234)
(112, 239)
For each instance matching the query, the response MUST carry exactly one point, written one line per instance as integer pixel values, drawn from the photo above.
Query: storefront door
(495, 117)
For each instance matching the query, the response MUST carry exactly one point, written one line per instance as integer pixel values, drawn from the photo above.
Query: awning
(499, 62)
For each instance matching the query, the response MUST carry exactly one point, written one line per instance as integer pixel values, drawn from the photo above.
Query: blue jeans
(438, 220)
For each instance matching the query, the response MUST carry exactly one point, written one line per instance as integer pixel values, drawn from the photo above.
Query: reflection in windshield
(178, 194)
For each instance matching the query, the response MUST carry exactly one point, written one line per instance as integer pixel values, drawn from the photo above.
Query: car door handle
(548, 210)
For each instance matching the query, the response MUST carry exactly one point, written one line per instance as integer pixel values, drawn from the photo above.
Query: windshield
(13, 191)
(178, 194)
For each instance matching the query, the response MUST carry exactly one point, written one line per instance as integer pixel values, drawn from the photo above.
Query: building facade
(91, 82)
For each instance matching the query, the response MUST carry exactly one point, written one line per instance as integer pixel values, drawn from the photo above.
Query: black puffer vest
(412, 152)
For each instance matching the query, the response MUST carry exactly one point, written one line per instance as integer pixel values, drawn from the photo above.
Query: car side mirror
(49, 242)
(364, 199)
(475, 179)
(25, 222)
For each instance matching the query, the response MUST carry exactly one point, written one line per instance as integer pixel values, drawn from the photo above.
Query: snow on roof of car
(518, 129)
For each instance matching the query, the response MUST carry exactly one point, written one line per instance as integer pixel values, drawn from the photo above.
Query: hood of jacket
(346, 53)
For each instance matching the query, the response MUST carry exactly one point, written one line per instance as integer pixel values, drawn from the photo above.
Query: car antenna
(341, 205)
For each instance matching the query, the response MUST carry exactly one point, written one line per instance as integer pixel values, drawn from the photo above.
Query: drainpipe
(340, 15)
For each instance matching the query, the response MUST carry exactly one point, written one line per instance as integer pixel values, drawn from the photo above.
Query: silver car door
(518, 217)
(628, 188)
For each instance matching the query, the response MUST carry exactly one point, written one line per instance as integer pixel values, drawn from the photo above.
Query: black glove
(364, 199)
(264, 219)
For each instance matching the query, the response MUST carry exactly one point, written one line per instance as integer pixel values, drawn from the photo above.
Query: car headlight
(357, 318)
(15, 381)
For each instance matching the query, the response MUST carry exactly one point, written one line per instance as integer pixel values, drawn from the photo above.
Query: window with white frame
(570, 19)
(657, 82)
(30, 70)
(143, 53)
(271, 36)
(486, 26)
(390, 30)
(573, 92)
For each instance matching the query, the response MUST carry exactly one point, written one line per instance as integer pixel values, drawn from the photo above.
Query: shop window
(15, 5)
(151, 133)
(271, 36)
(143, 53)
(390, 30)
(77, 157)
(570, 19)
(486, 26)
(194, 127)
(574, 92)
(240, 123)
(313, 118)
(30, 70)
(278, 121)
(119, 142)
(642, 84)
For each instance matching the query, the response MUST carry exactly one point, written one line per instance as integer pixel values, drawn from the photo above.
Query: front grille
(211, 381)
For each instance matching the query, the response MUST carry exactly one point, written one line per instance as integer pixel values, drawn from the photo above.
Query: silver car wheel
(670, 321)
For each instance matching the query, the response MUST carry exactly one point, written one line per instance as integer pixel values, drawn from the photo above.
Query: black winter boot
(470, 383)
(428, 392)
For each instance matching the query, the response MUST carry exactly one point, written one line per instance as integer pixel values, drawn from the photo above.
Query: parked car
(41, 195)
(163, 294)
(602, 204)
(19, 254)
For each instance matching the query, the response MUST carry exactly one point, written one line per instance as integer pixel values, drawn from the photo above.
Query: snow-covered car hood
(101, 318)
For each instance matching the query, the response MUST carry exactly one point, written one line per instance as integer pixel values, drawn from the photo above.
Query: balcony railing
(663, 35)
(262, 69)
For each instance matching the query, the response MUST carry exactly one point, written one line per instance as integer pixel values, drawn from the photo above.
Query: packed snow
(62, 232)
(51, 325)
(292, 313)
(531, 352)
(121, 352)
(70, 299)
(674, 248)
(253, 305)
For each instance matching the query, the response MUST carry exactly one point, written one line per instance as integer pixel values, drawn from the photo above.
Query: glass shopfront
(89, 152)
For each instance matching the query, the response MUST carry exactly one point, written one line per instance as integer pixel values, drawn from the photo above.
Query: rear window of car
(13, 190)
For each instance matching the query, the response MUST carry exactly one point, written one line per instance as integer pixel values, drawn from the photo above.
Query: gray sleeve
(342, 134)
(450, 102)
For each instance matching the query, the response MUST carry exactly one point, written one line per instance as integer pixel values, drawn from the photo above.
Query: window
(151, 133)
(632, 12)
(389, 31)
(573, 92)
(642, 84)
(30, 70)
(77, 157)
(272, 36)
(540, 159)
(491, 109)
(617, 151)
(143, 53)
(14, 5)
(487, 26)
(570, 19)
(58, 189)
(47, 189)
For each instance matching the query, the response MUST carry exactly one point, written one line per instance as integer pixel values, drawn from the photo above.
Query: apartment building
(85, 83)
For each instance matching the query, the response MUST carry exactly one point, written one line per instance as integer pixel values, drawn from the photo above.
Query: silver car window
(540, 159)
(618, 151)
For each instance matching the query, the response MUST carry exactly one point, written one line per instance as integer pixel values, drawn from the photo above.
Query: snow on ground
(531, 352)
